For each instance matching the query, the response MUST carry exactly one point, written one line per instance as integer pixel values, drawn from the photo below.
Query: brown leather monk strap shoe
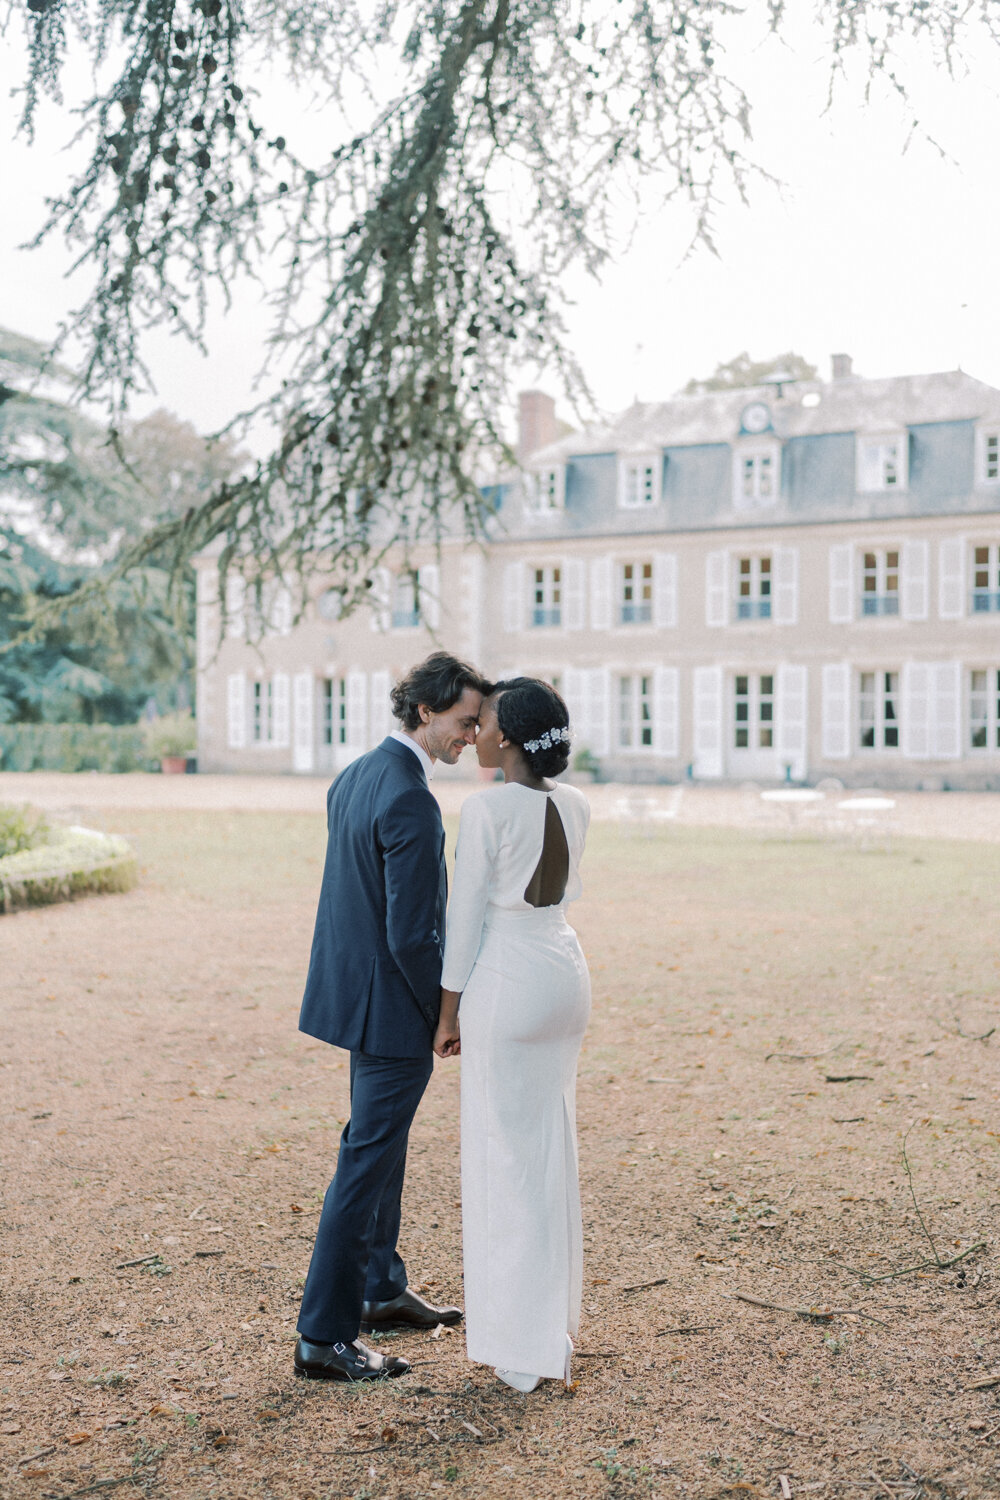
(406, 1311)
(345, 1362)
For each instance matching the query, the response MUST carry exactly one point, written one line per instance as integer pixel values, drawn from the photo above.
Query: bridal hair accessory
(547, 740)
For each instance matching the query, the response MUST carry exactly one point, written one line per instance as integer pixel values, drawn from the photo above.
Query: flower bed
(74, 862)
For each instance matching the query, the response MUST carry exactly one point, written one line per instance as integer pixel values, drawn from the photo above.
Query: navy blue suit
(374, 987)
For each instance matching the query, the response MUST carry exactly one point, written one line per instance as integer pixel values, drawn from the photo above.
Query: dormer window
(756, 475)
(639, 481)
(544, 492)
(989, 456)
(881, 462)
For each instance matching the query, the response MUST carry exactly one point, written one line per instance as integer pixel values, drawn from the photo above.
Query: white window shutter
(717, 590)
(792, 715)
(281, 709)
(600, 593)
(946, 710)
(303, 691)
(786, 585)
(836, 743)
(513, 597)
(708, 727)
(429, 582)
(916, 736)
(665, 589)
(575, 694)
(357, 711)
(574, 593)
(381, 707)
(841, 583)
(598, 690)
(913, 580)
(236, 710)
(236, 604)
(380, 596)
(951, 578)
(280, 614)
(666, 711)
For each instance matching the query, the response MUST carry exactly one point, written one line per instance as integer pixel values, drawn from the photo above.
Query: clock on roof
(756, 417)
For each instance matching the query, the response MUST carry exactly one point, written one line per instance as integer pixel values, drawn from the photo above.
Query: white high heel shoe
(517, 1381)
(567, 1377)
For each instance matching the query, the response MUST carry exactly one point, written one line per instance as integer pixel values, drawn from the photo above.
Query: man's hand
(447, 1040)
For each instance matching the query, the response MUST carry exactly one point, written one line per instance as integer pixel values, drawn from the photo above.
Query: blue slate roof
(817, 425)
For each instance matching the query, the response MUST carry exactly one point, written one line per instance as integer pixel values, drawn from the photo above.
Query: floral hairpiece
(547, 740)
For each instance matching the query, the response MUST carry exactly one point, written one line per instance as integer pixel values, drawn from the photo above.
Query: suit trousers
(355, 1258)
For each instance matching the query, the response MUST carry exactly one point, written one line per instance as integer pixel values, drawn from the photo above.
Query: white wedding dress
(525, 1005)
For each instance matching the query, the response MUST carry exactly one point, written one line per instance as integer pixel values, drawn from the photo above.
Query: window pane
(767, 685)
(741, 687)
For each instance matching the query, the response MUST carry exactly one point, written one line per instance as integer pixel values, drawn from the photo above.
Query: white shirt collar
(418, 750)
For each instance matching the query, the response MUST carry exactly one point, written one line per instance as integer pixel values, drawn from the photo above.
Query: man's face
(447, 734)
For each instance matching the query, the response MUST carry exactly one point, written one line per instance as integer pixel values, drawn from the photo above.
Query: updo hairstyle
(527, 709)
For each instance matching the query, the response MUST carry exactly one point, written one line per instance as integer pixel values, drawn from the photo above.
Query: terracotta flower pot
(173, 765)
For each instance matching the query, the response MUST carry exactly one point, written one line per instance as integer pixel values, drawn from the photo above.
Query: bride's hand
(447, 1040)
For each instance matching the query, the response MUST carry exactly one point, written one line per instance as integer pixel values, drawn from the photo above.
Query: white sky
(887, 254)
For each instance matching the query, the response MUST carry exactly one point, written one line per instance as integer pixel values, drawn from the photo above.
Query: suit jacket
(374, 981)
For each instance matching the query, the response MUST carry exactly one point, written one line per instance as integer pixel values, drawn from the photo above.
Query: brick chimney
(842, 366)
(536, 422)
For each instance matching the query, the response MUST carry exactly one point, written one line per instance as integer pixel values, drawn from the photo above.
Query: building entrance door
(751, 728)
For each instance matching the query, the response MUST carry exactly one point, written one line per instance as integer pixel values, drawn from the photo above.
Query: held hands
(447, 1038)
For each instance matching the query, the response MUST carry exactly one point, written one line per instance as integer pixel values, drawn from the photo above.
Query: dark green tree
(422, 254)
(68, 506)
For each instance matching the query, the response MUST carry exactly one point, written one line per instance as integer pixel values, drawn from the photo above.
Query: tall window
(881, 463)
(756, 473)
(880, 584)
(544, 492)
(635, 713)
(638, 482)
(263, 713)
(753, 712)
(546, 597)
(878, 710)
(334, 711)
(753, 588)
(404, 602)
(635, 593)
(984, 709)
(985, 580)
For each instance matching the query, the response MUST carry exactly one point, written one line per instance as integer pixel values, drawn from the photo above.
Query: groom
(374, 987)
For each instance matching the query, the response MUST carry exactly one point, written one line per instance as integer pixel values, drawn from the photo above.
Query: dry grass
(159, 1103)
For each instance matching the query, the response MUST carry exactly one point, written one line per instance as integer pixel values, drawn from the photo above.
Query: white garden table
(791, 800)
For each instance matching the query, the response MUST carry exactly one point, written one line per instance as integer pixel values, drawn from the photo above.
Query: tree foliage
(742, 371)
(422, 254)
(69, 507)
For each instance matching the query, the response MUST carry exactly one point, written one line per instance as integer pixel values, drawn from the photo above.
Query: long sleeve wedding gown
(525, 1005)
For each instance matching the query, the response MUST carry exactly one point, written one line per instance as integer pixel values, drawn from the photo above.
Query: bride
(516, 966)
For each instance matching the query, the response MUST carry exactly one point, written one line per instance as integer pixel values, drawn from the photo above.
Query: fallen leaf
(223, 1440)
(77, 1437)
(296, 1209)
(9, 1428)
(159, 1410)
(267, 1415)
(34, 1473)
(389, 1435)
(474, 1430)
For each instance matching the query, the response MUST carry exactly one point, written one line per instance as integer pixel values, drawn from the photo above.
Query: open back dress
(525, 1005)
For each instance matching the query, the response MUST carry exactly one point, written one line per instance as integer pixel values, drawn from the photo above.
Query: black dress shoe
(406, 1311)
(345, 1362)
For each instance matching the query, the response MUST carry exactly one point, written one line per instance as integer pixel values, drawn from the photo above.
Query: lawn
(770, 1019)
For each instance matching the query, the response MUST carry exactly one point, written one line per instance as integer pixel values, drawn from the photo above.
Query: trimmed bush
(74, 747)
(21, 828)
(77, 862)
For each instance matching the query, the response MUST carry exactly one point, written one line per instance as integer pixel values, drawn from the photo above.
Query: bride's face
(489, 736)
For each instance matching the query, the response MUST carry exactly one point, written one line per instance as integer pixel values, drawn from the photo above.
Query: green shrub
(173, 734)
(75, 862)
(21, 828)
(73, 747)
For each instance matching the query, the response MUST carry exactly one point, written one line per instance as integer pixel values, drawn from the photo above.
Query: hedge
(74, 747)
(78, 862)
